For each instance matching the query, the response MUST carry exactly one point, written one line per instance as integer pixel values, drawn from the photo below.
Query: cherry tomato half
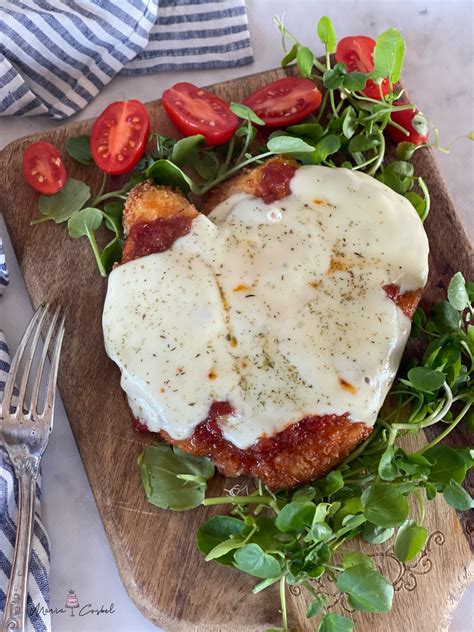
(356, 52)
(43, 168)
(197, 111)
(119, 136)
(285, 102)
(404, 118)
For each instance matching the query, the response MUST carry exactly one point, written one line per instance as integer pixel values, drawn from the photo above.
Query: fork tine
(29, 362)
(12, 374)
(39, 372)
(53, 375)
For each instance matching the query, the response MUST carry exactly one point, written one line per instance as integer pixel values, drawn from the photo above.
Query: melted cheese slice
(277, 308)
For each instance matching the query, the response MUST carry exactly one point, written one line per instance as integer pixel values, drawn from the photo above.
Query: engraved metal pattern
(402, 575)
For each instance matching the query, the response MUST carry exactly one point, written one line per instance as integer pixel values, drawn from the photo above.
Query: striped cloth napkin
(38, 618)
(55, 57)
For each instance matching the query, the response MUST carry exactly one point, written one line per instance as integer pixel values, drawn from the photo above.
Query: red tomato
(197, 111)
(404, 118)
(356, 52)
(119, 136)
(43, 168)
(285, 102)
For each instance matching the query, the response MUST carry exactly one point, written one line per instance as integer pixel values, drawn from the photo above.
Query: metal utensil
(24, 432)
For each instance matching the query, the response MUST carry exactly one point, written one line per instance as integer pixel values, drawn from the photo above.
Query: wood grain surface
(155, 551)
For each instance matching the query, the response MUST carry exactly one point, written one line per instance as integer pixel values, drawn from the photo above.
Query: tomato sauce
(156, 236)
(407, 302)
(274, 181)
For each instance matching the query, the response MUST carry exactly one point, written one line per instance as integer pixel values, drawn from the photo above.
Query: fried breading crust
(305, 450)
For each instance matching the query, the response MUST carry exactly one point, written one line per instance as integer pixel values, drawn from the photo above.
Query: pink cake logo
(72, 602)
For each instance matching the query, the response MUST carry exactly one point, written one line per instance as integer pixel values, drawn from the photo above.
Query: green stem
(376, 166)
(362, 447)
(284, 616)
(446, 431)
(39, 220)
(366, 163)
(113, 194)
(331, 92)
(426, 193)
(322, 106)
(237, 500)
(230, 151)
(96, 252)
(246, 144)
(101, 190)
(235, 169)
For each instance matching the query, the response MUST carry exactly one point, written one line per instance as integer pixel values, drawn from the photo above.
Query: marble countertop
(439, 74)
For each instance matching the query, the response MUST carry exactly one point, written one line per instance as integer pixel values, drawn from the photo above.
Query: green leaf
(165, 172)
(385, 506)
(327, 146)
(333, 79)
(224, 548)
(307, 492)
(457, 497)
(320, 532)
(319, 603)
(185, 148)
(333, 622)
(398, 175)
(361, 142)
(445, 318)
(334, 482)
(355, 558)
(79, 148)
(111, 254)
(305, 62)
(405, 150)
(387, 469)
(376, 535)
(295, 516)
(206, 166)
(366, 588)
(113, 213)
(426, 380)
(288, 145)
(61, 205)
(84, 222)
(327, 33)
(355, 81)
(160, 468)
(457, 292)
(349, 122)
(246, 113)
(313, 131)
(290, 55)
(449, 464)
(216, 530)
(431, 491)
(389, 53)
(418, 203)
(409, 541)
(251, 559)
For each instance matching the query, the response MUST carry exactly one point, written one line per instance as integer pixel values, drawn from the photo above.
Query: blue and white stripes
(4, 278)
(55, 57)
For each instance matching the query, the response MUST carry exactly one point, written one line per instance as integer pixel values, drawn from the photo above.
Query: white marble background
(439, 73)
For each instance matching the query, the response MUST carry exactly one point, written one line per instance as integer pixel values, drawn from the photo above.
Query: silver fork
(25, 435)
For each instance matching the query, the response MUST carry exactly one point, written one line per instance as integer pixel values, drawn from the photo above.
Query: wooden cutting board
(155, 552)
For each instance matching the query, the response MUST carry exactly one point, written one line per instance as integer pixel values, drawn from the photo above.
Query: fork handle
(14, 614)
